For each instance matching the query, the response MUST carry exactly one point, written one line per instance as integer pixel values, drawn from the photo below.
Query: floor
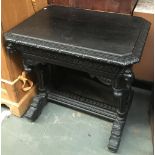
(63, 131)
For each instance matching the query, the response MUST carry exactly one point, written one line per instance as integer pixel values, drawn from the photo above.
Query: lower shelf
(85, 107)
(79, 91)
(108, 112)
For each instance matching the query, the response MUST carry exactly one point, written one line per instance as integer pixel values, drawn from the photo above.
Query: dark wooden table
(102, 45)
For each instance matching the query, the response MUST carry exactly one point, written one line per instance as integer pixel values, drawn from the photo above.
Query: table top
(108, 37)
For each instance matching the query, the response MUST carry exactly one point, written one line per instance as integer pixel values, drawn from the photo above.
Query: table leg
(40, 100)
(122, 95)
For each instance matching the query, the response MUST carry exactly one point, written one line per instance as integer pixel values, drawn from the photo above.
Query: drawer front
(33, 56)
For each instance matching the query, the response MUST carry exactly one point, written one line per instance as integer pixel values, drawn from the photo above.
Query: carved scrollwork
(71, 61)
(28, 63)
(104, 80)
(128, 74)
(10, 48)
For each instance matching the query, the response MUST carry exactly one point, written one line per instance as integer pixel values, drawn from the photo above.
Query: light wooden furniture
(12, 95)
(19, 108)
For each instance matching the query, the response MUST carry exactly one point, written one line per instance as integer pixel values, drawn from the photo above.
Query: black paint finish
(94, 47)
(107, 37)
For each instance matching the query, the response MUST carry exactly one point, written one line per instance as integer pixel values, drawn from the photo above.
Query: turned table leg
(122, 94)
(40, 100)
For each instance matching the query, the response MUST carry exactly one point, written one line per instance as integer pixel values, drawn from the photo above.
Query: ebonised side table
(104, 45)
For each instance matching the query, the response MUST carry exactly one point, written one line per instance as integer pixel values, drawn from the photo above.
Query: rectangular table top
(108, 37)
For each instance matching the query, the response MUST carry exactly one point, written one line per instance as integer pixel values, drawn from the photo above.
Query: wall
(145, 69)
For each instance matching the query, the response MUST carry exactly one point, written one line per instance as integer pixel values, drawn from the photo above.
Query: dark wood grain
(95, 35)
(119, 6)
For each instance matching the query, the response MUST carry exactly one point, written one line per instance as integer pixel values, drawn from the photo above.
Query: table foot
(35, 109)
(115, 137)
